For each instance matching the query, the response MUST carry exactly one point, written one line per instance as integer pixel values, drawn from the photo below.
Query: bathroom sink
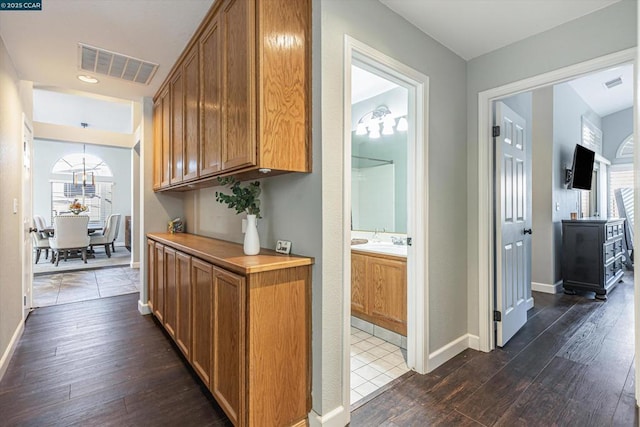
(382, 247)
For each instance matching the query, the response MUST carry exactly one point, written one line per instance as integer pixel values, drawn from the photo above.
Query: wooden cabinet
(211, 99)
(151, 275)
(159, 274)
(592, 254)
(379, 290)
(191, 72)
(240, 96)
(170, 292)
(183, 293)
(177, 130)
(202, 315)
(229, 343)
(250, 330)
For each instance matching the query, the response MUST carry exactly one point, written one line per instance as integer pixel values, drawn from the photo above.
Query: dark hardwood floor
(571, 365)
(100, 363)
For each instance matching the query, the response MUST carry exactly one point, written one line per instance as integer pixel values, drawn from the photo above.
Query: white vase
(251, 238)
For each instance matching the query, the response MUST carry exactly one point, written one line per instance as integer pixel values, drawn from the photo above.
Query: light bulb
(361, 129)
(374, 131)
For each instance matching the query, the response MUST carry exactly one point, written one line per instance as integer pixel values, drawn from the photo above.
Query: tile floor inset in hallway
(374, 363)
(65, 287)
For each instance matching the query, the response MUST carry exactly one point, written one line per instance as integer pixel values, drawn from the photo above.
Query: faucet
(402, 241)
(375, 233)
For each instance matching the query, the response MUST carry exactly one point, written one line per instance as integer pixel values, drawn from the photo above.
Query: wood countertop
(229, 255)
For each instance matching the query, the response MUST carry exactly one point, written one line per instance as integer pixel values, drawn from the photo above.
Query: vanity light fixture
(371, 121)
(87, 79)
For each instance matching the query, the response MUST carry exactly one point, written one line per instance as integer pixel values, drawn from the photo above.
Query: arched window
(83, 177)
(625, 150)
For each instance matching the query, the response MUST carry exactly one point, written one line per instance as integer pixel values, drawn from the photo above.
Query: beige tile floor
(73, 286)
(374, 363)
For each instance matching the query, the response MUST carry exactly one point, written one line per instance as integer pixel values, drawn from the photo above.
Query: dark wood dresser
(592, 254)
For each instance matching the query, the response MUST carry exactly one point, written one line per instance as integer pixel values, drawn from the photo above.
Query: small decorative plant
(242, 199)
(76, 207)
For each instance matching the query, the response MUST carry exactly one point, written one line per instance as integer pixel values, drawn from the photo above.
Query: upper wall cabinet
(240, 97)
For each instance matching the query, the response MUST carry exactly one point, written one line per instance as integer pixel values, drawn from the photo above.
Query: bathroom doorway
(386, 206)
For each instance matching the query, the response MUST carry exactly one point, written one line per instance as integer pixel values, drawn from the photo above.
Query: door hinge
(497, 316)
(495, 131)
(25, 301)
(409, 241)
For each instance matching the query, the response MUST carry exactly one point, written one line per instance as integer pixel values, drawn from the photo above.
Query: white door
(27, 249)
(513, 232)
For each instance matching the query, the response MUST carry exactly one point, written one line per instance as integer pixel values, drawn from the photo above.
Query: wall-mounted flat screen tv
(582, 168)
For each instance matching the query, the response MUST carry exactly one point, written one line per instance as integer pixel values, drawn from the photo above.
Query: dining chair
(40, 240)
(70, 233)
(115, 236)
(108, 233)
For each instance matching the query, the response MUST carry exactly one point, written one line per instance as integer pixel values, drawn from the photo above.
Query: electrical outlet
(557, 206)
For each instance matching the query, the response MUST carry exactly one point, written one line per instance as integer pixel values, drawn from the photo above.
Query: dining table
(91, 228)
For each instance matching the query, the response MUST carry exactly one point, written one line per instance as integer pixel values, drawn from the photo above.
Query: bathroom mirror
(379, 160)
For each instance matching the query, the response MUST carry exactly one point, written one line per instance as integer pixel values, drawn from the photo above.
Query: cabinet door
(202, 316)
(183, 282)
(170, 292)
(239, 141)
(191, 74)
(152, 288)
(177, 129)
(166, 139)
(388, 293)
(359, 284)
(157, 144)
(159, 273)
(211, 99)
(228, 382)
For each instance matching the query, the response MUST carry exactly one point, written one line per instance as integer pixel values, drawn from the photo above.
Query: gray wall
(13, 102)
(363, 19)
(542, 242)
(568, 109)
(47, 153)
(605, 31)
(616, 128)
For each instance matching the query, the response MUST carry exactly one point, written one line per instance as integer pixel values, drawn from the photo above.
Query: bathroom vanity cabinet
(242, 322)
(379, 289)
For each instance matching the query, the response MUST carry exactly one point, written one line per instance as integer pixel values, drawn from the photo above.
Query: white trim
(546, 288)
(134, 264)
(418, 220)
(339, 417)
(143, 308)
(11, 348)
(485, 180)
(446, 352)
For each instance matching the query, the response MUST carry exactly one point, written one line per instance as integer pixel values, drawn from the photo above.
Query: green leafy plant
(242, 199)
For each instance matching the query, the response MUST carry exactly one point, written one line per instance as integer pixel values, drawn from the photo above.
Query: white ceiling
(472, 28)
(44, 44)
(365, 85)
(604, 101)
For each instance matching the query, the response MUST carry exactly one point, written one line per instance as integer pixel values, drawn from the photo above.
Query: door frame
(417, 220)
(27, 210)
(485, 223)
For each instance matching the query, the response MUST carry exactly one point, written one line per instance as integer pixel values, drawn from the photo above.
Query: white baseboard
(11, 348)
(134, 265)
(445, 353)
(339, 417)
(474, 342)
(546, 288)
(143, 308)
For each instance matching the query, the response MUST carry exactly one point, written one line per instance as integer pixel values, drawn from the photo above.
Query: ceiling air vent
(613, 83)
(112, 64)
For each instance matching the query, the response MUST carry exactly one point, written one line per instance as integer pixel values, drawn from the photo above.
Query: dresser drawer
(613, 231)
(611, 250)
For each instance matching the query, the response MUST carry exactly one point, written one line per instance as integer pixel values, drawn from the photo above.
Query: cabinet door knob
(528, 231)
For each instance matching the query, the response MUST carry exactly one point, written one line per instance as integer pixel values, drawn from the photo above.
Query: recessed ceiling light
(87, 79)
